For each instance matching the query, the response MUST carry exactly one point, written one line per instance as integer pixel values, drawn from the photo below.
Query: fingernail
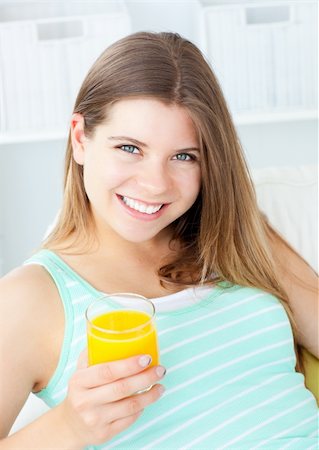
(145, 360)
(161, 389)
(161, 371)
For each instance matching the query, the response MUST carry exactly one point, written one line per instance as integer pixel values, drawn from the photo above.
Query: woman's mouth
(141, 207)
(141, 210)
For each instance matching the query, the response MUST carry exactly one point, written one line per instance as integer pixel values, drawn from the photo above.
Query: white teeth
(141, 207)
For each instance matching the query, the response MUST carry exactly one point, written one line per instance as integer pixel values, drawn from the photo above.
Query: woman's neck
(111, 264)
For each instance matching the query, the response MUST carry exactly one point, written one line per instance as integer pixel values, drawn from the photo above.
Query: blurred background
(264, 53)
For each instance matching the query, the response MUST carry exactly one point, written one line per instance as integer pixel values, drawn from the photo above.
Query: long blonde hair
(223, 233)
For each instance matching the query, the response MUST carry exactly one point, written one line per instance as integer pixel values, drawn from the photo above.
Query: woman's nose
(155, 179)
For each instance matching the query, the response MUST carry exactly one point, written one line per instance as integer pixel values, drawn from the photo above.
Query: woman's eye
(129, 148)
(185, 157)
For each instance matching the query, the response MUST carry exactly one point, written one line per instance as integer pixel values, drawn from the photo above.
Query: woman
(158, 201)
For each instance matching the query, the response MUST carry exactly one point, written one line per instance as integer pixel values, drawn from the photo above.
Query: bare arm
(99, 405)
(301, 284)
(22, 315)
(47, 432)
(100, 401)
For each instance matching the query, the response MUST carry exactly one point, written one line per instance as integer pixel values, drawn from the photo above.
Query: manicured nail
(161, 389)
(145, 360)
(161, 371)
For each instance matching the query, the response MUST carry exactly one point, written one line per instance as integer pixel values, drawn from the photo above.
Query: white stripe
(215, 330)
(313, 447)
(214, 313)
(293, 441)
(210, 411)
(81, 299)
(60, 392)
(228, 364)
(261, 425)
(229, 344)
(80, 318)
(266, 422)
(244, 413)
(193, 399)
(72, 283)
(78, 339)
(314, 434)
(70, 366)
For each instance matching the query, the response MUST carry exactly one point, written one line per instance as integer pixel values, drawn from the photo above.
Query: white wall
(31, 190)
(179, 16)
(284, 143)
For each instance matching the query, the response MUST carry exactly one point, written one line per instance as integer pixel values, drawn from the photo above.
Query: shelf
(260, 117)
(48, 49)
(247, 119)
(23, 137)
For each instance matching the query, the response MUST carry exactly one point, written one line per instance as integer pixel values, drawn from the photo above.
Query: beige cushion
(289, 198)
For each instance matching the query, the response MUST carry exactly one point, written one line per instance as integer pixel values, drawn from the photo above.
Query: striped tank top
(229, 355)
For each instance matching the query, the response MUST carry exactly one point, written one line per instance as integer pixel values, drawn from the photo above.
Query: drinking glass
(119, 326)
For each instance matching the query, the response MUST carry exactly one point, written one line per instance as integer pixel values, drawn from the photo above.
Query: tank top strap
(76, 294)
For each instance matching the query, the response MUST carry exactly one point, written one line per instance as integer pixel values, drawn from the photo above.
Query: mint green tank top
(231, 381)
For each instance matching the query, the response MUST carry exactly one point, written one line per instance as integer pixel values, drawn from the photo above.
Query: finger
(100, 374)
(125, 387)
(128, 408)
(119, 425)
(83, 359)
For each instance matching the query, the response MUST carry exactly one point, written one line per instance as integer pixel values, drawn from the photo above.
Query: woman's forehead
(146, 116)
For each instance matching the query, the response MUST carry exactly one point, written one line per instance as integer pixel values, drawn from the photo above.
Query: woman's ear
(78, 137)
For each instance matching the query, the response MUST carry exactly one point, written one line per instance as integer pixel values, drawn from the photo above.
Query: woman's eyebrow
(142, 144)
(127, 138)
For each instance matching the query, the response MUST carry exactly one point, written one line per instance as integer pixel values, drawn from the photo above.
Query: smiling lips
(141, 207)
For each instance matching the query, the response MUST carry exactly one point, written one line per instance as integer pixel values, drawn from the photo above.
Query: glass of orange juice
(120, 326)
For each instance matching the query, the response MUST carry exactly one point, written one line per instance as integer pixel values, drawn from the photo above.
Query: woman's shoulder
(27, 285)
(30, 307)
(29, 299)
(32, 321)
(251, 300)
(251, 293)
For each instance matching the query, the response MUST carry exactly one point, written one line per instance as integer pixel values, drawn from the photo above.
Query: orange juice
(121, 334)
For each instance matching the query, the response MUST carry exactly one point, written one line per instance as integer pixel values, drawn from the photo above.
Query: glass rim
(118, 294)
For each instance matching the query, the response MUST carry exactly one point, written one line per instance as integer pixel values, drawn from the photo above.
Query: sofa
(289, 198)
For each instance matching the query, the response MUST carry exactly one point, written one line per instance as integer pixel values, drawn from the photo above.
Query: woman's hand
(101, 403)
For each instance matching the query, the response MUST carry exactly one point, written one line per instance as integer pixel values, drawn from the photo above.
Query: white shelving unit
(46, 49)
(264, 54)
(239, 38)
(35, 136)
(263, 117)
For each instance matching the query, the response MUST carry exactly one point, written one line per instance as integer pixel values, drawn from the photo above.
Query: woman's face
(141, 168)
